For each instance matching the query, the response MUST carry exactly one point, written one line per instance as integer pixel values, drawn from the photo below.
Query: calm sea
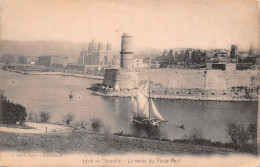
(51, 94)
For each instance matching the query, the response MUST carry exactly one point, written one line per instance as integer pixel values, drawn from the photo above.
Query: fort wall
(125, 79)
(199, 79)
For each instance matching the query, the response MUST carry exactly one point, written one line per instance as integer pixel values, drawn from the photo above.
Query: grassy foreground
(83, 142)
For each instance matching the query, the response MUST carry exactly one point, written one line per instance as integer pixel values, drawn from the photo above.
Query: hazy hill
(38, 48)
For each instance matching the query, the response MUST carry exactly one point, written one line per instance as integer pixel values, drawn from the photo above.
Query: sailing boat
(145, 111)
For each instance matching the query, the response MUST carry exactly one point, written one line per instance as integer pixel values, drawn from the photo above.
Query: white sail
(145, 107)
(145, 89)
(142, 105)
(155, 112)
(134, 103)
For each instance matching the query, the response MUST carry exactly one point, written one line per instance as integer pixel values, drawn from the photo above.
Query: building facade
(234, 51)
(48, 61)
(97, 54)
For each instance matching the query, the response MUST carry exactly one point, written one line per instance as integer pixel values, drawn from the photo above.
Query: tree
(11, 112)
(238, 134)
(44, 116)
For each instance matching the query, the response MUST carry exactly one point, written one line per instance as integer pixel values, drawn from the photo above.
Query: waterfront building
(234, 51)
(81, 59)
(44, 61)
(18, 59)
(138, 63)
(57, 61)
(179, 57)
(147, 61)
(188, 56)
(22, 60)
(142, 62)
(10, 58)
(7, 59)
(31, 60)
(48, 61)
(171, 53)
(218, 56)
(198, 57)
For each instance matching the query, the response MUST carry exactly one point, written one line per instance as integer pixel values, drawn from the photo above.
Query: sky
(153, 23)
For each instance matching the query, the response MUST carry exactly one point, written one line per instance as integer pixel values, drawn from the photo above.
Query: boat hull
(147, 121)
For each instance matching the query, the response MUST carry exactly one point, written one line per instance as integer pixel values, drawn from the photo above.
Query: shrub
(81, 124)
(106, 130)
(11, 112)
(45, 116)
(67, 119)
(153, 131)
(243, 138)
(32, 117)
(96, 124)
(237, 133)
(252, 132)
(139, 130)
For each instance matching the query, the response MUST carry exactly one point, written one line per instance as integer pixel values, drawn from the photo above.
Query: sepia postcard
(129, 83)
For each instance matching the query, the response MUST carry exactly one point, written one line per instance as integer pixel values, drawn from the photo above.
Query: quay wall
(199, 79)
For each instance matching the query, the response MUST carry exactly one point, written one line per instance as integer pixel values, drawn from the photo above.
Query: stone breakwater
(125, 94)
(65, 74)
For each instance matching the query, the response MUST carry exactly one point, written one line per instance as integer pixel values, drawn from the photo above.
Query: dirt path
(37, 128)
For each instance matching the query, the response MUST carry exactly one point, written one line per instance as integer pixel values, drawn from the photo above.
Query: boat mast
(149, 98)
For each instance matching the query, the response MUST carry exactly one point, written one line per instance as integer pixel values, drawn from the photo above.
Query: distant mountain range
(38, 48)
(69, 49)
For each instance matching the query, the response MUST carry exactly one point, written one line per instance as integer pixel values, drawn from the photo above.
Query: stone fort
(201, 82)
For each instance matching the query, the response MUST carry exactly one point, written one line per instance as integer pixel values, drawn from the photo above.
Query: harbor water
(50, 93)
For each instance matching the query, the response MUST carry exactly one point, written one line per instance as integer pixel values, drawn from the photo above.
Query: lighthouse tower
(127, 54)
(125, 78)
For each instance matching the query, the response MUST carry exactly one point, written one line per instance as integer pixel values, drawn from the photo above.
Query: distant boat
(71, 95)
(145, 111)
